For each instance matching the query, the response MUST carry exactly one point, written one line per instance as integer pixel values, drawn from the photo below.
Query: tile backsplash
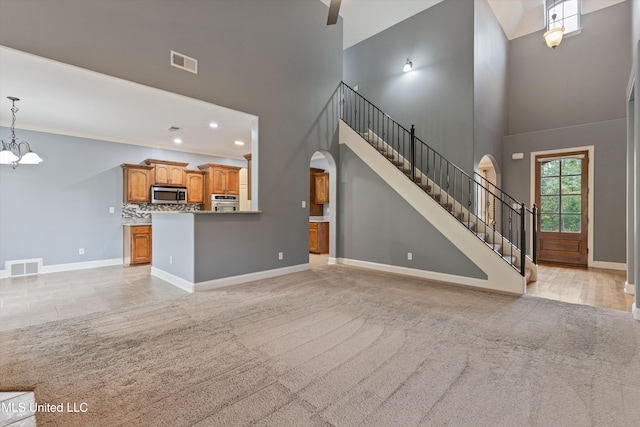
(140, 213)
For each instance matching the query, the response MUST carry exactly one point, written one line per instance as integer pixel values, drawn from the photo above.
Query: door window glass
(561, 195)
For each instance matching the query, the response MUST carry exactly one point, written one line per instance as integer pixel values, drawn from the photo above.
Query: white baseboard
(250, 277)
(609, 265)
(179, 282)
(332, 261)
(424, 274)
(191, 287)
(635, 311)
(56, 268)
(629, 288)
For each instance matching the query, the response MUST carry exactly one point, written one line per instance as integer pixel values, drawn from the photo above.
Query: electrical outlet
(112, 209)
(170, 259)
(409, 256)
(304, 203)
(280, 255)
(81, 251)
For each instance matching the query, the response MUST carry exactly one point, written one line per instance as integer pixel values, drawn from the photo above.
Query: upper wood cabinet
(321, 183)
(195, 187)
(168, 173)
(219, 179)
(137, 182)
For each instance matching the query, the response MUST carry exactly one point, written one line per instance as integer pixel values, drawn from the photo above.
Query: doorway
(561, 182)
(487, 176)
(322, 208)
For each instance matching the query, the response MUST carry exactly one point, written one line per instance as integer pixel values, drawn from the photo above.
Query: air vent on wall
(184, 62)
(25, 267)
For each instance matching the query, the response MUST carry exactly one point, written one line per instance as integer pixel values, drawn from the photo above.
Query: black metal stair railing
(454, 189)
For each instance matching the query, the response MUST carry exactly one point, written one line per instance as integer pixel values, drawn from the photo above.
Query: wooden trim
(165, 162)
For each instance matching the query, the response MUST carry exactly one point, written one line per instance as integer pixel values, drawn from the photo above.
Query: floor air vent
(184, 62)
(25, 267)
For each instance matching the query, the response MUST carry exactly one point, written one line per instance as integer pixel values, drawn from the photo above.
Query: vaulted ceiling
(364, 18)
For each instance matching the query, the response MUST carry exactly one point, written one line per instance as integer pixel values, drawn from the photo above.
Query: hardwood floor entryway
(579, 285)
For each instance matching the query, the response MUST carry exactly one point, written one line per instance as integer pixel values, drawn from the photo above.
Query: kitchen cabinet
(319, 237)
(315, 209)
(219, 179)
(137, 244)
(168, 173)
(137, 183)
(195, 187)
(321, 183)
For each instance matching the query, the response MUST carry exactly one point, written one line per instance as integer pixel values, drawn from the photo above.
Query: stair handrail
(406, 137)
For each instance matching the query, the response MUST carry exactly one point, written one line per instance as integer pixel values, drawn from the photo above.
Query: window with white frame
(563, 13)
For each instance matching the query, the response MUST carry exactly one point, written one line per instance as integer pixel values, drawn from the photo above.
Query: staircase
(454, 191)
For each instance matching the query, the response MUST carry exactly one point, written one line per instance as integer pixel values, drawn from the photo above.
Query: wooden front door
(562, 195)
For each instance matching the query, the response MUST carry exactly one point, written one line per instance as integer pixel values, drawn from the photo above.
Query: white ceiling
(63, 99)
(364, 18)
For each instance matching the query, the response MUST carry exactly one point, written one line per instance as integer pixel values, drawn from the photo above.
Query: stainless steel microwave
(168, 195)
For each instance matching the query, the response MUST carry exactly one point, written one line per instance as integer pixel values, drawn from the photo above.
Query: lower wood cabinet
(137, 244)
(319, 237)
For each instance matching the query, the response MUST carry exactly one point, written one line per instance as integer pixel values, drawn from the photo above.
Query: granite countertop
(206, 212)
(319, 219)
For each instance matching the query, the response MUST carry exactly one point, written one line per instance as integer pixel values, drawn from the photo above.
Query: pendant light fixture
(12, 153)
(553, 36)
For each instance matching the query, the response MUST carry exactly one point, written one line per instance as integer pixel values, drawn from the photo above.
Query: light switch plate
(304, 203)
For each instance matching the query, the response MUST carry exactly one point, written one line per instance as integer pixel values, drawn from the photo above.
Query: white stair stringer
(500, 275)
(499, 244)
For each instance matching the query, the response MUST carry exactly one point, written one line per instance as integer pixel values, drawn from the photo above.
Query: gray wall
(581, 81)
(490, 81)
(574, 96)
(635, 25)
(251, 58)
(52, 209)
(377, 225)
(437, 96)
(610, 176)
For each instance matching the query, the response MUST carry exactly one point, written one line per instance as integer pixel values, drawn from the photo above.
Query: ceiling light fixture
(408, 66)
(238, 142)
(553, 36)
(213, 125)
(177, 140)
(12, 153)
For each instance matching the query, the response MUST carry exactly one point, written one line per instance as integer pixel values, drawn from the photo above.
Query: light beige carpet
(336, 346)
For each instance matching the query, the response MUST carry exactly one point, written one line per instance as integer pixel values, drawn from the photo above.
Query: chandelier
(12, 153)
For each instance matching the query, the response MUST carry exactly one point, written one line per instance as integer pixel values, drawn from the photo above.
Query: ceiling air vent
(173, 128)
(184, 62)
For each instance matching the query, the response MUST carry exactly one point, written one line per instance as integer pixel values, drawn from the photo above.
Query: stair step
(470, 224)
(528, 273)
(482, 236)
(510, 259)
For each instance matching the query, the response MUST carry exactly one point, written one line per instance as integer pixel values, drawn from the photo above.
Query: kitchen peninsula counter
(204, 250)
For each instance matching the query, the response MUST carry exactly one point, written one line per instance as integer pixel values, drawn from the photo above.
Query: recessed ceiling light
(177, 141)
(213, 125)
(238, 142)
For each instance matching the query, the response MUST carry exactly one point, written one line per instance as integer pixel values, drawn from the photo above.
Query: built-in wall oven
(168, 195)
(225, 203)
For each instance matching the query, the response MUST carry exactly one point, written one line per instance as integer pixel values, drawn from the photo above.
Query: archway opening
(322, 208)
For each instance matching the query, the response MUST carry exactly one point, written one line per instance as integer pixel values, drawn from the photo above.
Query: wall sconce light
(408, 66)
(12, 152)
(553, 36)
(517, 156)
